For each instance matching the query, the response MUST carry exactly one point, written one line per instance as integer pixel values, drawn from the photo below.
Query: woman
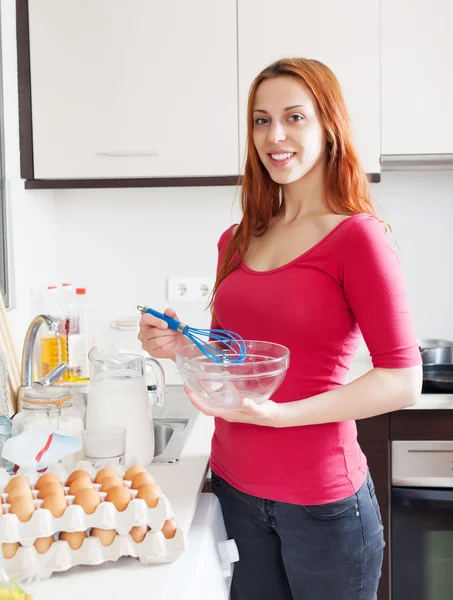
(310, 267)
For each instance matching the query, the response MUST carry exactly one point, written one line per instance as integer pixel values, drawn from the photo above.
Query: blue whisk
(232, 342)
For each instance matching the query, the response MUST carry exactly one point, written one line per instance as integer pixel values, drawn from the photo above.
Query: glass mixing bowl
(224, 385)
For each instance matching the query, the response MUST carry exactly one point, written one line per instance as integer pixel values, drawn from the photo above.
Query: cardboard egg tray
(154, 549)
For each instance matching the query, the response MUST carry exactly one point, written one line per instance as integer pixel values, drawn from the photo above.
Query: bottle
(5, 421)
(66, 305)
(80, 339)
(54, 348)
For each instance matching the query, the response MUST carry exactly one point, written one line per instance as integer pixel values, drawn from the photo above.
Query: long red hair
(346, 184)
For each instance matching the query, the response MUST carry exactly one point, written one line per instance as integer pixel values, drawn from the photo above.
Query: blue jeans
(294, 552)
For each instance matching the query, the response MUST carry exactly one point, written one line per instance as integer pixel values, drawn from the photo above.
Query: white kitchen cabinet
(142, 88)
(344, 35)
(417, 77)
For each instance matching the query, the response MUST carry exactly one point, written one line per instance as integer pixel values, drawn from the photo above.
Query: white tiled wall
(124, 243)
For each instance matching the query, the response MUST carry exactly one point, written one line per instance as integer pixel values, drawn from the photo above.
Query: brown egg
(23, 507)
(19, 491)
(105, 535)
(141, 479)
(103, 473)
(138, 533)
(120, 496)
(51, 487)
(9, 550)
(76, 474)
(109, 482)
(18, 481)
(56, 503)
(43, 544)
(88, 499)
(169, 528)
(74, 539)
(2, 510)
(79, 484)
(46, 478)
(133, 471)
(149, 493)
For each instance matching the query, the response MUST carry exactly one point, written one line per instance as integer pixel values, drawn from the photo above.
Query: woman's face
(287, 130)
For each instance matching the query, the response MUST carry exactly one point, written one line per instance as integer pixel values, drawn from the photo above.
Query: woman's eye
(296, 118)
(261, 121)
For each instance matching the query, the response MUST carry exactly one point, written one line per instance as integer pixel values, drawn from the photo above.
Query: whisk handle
(172, 323)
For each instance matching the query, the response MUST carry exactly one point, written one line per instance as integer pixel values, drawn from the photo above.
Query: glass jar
(50, 407)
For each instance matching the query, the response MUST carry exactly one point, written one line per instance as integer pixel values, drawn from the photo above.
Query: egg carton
(154, 549)
(43, 524)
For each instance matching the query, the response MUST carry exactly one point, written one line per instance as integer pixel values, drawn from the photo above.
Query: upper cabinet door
(344, 35)
(417, 77)
(136, 88)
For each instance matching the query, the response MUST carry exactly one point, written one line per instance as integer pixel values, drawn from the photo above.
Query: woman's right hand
(156, 337)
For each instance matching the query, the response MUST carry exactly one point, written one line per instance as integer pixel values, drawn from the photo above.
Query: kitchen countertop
(181, 483)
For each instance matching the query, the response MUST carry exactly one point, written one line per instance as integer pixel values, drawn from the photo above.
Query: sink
(162, 435)
(173, 422)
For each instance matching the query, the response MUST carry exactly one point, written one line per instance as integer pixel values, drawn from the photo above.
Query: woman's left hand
(250, 412)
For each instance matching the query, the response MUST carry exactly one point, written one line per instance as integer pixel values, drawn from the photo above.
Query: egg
(79, 484)
(141, 479)
(149, 493)
(74, 539)
(18, 481)
(46, 478)
(19, 491)
(169, 528)
(43, 544)
(105, 535)
(109, 482)
(51, 487)
(138, 533)
(9, 550)
(56, 504)
(132, 471)
(23, 507)
(120, 496)
(76, 474)
(103, 473)
(2, 510)
(88, 499)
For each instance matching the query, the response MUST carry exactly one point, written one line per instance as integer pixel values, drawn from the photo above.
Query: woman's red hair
(346, 184)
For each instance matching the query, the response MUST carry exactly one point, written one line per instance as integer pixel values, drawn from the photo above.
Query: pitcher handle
(160, 378)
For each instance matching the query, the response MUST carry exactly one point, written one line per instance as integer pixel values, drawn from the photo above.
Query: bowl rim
(226, 375)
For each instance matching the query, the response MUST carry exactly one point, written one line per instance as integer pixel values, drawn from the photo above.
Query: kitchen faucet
(27, 358)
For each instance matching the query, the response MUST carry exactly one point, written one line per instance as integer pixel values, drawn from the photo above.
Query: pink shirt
(315, 306)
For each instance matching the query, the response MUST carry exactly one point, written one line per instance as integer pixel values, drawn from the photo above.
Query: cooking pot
(435, 351)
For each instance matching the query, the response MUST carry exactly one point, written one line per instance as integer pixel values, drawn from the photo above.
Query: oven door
(422, 543)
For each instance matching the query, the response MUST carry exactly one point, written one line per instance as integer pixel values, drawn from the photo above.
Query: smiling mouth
(282, 157)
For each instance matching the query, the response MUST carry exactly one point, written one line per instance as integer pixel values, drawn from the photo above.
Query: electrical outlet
(189, 289)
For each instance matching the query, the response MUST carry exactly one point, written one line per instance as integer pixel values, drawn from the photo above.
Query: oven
(422, 520)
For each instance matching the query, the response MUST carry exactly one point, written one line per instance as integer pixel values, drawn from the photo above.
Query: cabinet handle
(120, 153)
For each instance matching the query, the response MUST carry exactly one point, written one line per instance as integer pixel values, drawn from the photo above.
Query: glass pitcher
(118, 395)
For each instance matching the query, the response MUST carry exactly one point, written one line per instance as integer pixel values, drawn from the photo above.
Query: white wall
(124, 243)
(31, 216)
(419, 207)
